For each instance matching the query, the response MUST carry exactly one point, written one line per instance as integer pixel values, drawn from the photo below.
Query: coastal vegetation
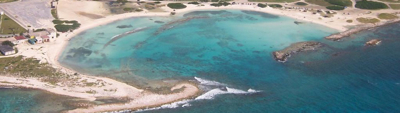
(8, 43)
(387, 16)
(195, 3)
(64, 26)
(394, 6)
(301, 3)
(335, 7)
(330, 2)
(262, 5)
(368, 20)
(275, 5)
(30, 67)
(54, 13)
(281, 1)
(9, 26)
(176, 5)
(393, 1)
(220, 4)
(4, 1)
(364, 4)
(349, 21)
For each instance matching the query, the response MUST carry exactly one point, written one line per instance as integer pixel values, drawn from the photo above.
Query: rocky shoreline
(339, 36)
(282, 55)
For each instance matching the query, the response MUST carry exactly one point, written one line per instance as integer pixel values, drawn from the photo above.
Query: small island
(282, 55)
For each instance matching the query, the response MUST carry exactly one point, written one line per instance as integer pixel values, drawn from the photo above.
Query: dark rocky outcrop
(282, 55)
(373, 42)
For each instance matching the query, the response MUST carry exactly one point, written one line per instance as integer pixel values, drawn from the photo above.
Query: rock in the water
(282, 55)
(373, 42)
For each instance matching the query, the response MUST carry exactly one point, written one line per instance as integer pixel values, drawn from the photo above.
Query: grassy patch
(176, 6)
(128, 9)
(394, 1)
(319, 2)
(275, 5)
(30, 67)
(301, 3)
(281, 1)
(364, 4)
(4, 1)
(262, 5)
(340, 2)
(387, 16)
(335, 7)
(54, 13)
(9, 26)
(394, 6)
(368, 20)
(330, 2)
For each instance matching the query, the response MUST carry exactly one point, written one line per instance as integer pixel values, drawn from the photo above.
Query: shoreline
(61, 42)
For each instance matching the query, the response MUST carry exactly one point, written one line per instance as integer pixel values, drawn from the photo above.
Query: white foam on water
(208, 82)
(211, 94)
(214, 92)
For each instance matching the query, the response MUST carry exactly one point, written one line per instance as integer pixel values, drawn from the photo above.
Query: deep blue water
(234, 48)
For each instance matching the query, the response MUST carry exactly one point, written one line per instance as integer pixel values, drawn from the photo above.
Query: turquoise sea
(229, 53)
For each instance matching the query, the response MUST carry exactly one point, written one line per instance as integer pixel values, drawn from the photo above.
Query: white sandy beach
(49, 52)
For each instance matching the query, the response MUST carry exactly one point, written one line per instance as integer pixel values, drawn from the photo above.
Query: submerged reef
(172, 24)
(282, 55)
(124, 26)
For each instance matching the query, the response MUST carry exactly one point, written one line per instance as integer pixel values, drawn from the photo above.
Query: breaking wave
(211, 94)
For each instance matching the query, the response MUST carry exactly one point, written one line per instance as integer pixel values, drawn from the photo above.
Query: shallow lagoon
(234, 49)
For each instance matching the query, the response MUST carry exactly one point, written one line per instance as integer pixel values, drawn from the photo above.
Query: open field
(368, 20)
(281, 1)
(394, 1)
(394, 6)
(29, 67)
(9, 26)
(330, 2)
(4, 1)
(387, 16)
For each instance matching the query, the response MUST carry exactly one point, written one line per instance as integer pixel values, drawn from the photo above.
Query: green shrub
(275, 5)
(214, 0)
(349, 21)
(58, 21)
(301, 3)
(262, 5)
(157, 2)
(220, 4)
(335, 7)
(176, 6)
(364, 4)
(8, 43)
(195, 3)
